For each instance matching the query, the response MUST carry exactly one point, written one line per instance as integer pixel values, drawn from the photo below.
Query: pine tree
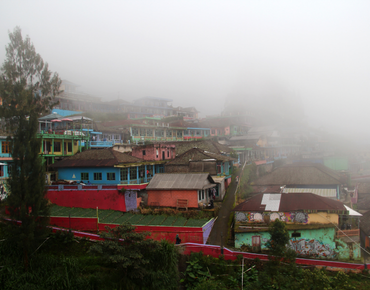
(27, 89)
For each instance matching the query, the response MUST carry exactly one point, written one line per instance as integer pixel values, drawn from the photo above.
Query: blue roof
(65, 113)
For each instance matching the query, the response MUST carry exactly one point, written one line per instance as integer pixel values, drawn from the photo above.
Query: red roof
(298, 201)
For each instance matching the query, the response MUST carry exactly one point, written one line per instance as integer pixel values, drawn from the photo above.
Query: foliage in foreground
(64, 262)
(27, 89)
(205, 272)
(141, 263)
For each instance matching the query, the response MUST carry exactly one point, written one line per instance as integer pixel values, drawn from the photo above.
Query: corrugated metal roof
(186, 181)
(325, 192)
(290, 202)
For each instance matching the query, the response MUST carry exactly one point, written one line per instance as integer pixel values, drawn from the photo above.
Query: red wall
(169, 197)
(104, 199)
(186, 234)
(82, 224)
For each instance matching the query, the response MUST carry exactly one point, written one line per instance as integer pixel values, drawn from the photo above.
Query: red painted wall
(104, 199)
(169, 197)
(82, 224)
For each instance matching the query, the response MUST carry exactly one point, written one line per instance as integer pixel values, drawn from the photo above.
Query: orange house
(184, 190)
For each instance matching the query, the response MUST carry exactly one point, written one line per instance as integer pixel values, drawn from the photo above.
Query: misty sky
(202, 53)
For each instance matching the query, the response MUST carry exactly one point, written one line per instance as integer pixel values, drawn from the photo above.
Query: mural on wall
(298, 217)
(312, 248)
(3, 190)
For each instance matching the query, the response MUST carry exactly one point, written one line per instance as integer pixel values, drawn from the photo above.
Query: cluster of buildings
(163, 156)
(316, 204)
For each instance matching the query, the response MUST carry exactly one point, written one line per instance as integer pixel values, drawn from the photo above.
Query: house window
(57, 147)
(133, 173)
(5, 147)
(149, 132)
(156, 153)
(202, 193)
(169, 133)
(160, 168)
(168, 153)
(179, 134)
(84, 176)
(135, 132)
(69, 146)
(142, 132)
(111, 176)
(296, 235)
(213, 131)
(98, 176)
(124, 174)
(186, 133)
(199, 195)
(143, 152)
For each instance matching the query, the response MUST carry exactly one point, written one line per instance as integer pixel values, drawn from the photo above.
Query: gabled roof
(51, 117)
(285, 202)
(196, 154)
(206, 145)
(185, 181)
(300, 174)
(106, 157)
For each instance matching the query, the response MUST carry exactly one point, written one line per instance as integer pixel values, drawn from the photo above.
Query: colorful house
(186, 190)
(107, 166)
(318, 227)
(317, 177)
(197, 160)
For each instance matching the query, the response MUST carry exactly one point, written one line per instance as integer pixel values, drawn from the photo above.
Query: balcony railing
(137, 181)
(101, 144)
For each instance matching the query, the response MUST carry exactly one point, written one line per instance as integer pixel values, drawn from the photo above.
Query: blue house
(107, 166)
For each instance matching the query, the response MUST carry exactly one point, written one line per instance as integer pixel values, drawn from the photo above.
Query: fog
(307, 59)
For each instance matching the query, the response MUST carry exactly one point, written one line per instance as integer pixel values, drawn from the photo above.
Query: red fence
(215, 251)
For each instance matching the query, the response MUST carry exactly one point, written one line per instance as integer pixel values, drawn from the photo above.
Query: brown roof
(285, 202)
(186, 181)
(206, 145)
(106, 157)
(300, 174)
(196, 154)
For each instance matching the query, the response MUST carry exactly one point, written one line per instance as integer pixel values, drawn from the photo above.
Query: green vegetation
(205, 272)
(127, 260)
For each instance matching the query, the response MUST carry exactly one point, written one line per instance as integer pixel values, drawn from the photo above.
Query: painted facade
(156, 152)
(134, 174)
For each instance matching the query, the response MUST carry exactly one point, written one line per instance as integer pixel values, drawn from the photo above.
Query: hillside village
(152, 156)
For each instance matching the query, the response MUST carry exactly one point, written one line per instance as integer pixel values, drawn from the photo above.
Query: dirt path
(221, 224)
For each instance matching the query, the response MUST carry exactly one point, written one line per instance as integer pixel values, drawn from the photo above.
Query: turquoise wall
(315, 243)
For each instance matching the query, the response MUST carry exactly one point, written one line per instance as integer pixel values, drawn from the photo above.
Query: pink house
(154, 152)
